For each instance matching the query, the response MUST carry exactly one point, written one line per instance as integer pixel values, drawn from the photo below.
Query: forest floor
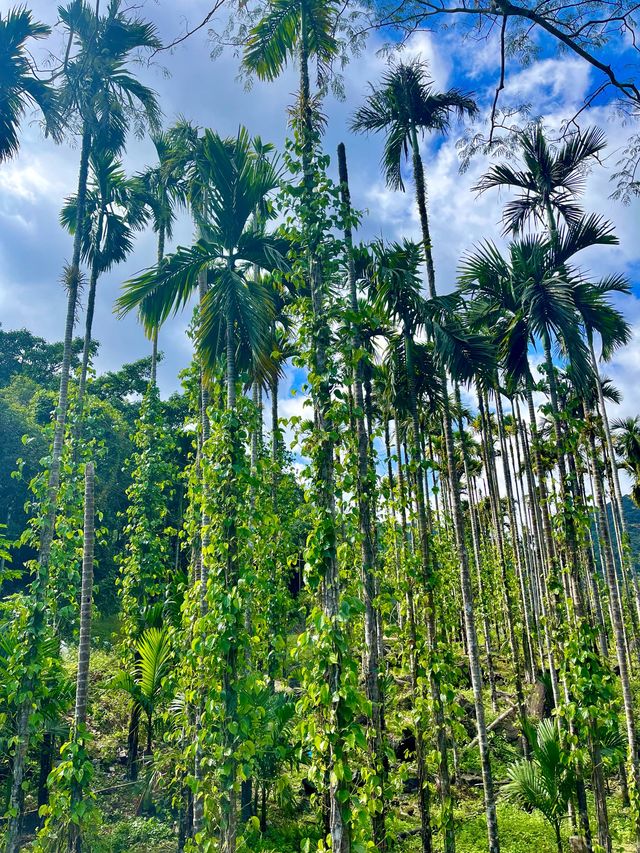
(124, 826)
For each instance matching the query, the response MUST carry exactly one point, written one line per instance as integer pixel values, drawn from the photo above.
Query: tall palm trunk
(154, 340)
(202, 571)
(617, 624)
(421, 199)
(424, 794)
(428, 579)
(339, 820)
(525, 603)
(494, 500)
(547, 541)
(477, 555)
(471, 635)
(48, 527)
(74, 844)
(229, 817)
(366, 511)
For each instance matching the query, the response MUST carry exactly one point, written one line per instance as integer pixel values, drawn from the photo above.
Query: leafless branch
(206, 20)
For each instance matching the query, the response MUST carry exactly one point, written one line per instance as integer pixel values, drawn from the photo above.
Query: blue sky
(34, 248)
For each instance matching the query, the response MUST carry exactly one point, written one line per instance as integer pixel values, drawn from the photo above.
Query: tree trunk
(366, 513)
(47, 532)
(339, 820)
(470, 628)
(154, 339)
(198, 775)
(421, 199)
(91, 304)
(618, 630)
(428, 580)
(84, 643)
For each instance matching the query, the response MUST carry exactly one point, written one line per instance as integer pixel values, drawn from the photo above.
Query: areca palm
(406, 106)
(545, 782)
(546, 299)
(530, 296)
(20, 88)
(305, 30)
(230, 183)
(161, 188)
(112, 213)
(396, 285)
(551, 179)
(101, 96)
(236, 310)
(144, 683)
(627, 432)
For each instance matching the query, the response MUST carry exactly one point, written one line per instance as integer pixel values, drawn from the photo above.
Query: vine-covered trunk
(428, 579)
(338, 818)
(473, 651)
(84, 642)
(366, 513)
(50, 506)
(202, 571)
(617, 625)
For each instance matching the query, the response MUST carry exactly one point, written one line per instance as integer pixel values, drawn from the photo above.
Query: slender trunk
(154, 339)
(339, 819)
(421, 199)
(428, 580)
(91, 304)
(618, 630)
(49, 509)
(366, 512)
(547, 540)
(203, 578)
(470, 627)
(515, 543)
(84, 643)
(494, 497)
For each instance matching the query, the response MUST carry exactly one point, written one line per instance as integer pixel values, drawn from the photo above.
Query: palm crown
(233, 181)
(533, 294)
(98, 86)
(406, 103)
(551, 179)
(113, 212)
(19, 86)
(286, 26)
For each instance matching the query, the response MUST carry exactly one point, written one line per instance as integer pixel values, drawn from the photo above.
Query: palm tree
(600, 317)
(551, 179)
(405, 107)
(396, 287)
(627, 432)
(531, 296)
(112, 213)
(101, 95)
(161, 188)
(144, 684)
(545, 782)
(21, 88)
(366, 513)
(303, 30)
(235, 317)
(236, 311)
